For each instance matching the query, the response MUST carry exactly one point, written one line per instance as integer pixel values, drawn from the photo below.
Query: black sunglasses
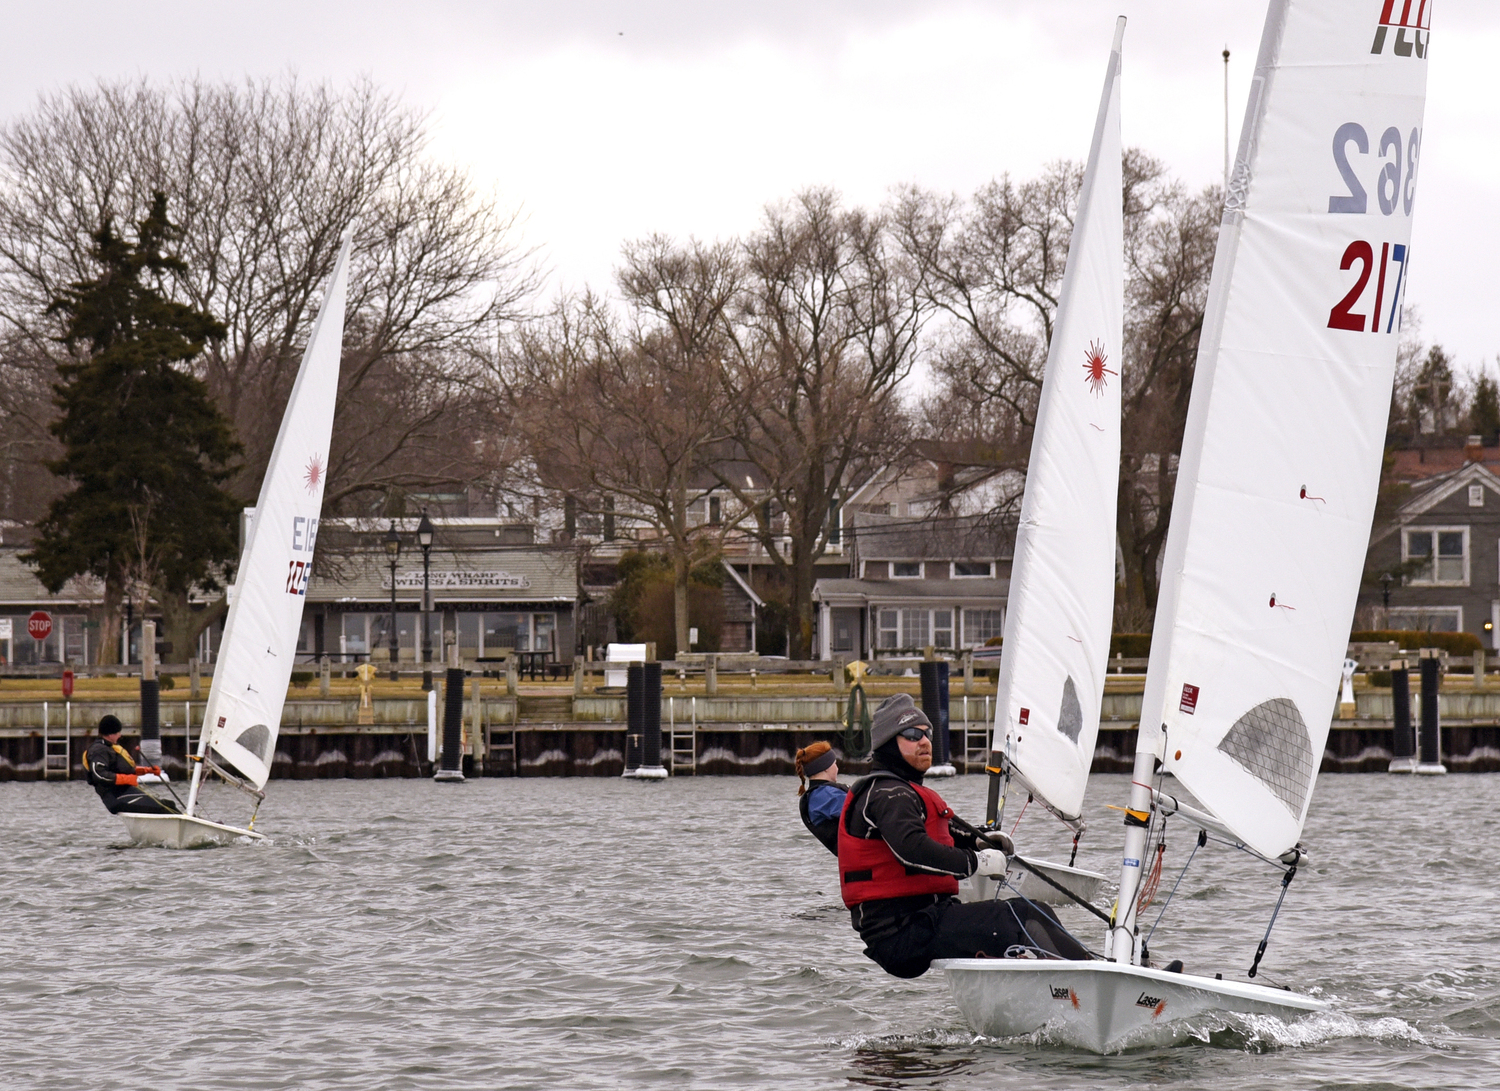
(915, 733)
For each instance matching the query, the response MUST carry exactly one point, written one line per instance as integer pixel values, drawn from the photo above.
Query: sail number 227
(1393, 190)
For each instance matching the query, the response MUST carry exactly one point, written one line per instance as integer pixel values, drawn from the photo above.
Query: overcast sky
(606, 121)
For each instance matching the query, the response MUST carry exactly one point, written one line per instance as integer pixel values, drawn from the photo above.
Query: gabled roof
(1430, 493)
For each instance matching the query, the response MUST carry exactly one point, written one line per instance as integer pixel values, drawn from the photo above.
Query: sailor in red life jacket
(900, 861)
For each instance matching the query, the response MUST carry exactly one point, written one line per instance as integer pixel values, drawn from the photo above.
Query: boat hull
(1101, 1006)
(178, 831)
(1021, 883)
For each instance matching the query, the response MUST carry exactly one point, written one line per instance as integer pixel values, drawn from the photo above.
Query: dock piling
(1403, 739)
(451, 756)
(150, 697)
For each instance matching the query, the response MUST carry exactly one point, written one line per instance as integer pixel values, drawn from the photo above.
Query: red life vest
(869, 870)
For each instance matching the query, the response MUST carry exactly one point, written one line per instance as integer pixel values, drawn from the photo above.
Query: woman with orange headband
(821, 797)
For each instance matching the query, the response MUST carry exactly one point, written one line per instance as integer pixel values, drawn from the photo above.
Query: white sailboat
(1061, 602)
(243, 714)
(1275, 495)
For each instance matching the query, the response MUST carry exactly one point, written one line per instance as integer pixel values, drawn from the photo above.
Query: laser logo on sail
(1404, 16)
(313, 475)
(1094, 369)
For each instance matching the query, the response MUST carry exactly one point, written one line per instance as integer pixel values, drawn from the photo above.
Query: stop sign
(39, 625)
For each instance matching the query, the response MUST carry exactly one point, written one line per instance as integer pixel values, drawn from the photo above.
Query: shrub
(302, 679)
(166, 681)
(1407, 639)
(1130, 645)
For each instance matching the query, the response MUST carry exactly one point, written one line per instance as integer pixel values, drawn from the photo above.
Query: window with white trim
(1476, 496)
(911, 627)
(973, 569)
(915, 627)
(982, 625)
(942, 628)
(1438, 556)
(906, 570)
(1427, 619)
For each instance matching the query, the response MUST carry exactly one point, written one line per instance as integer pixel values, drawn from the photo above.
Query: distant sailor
(113, 773)
(820, 795)
(900, 861)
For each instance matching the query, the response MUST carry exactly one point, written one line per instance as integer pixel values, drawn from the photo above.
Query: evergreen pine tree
(144, 447)
(1484, 411)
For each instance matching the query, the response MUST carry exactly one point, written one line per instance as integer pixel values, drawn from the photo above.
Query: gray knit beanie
(895, 714)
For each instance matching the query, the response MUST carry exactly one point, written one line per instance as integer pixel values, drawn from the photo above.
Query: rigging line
(1247, 851)
(1095, 910)
(1064, 928)
(1286, 881)
(1202, 840)
(1021, 815)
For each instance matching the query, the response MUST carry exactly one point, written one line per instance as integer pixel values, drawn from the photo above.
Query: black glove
(999, 839)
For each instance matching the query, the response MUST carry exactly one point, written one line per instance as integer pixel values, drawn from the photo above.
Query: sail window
(1270, 742)
(1070, 715)
(256, 739)
(1437, 555)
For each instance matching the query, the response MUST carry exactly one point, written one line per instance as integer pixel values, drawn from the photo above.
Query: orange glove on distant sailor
(142, 770)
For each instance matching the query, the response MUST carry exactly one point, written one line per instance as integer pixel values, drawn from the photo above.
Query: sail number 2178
(1394, 186)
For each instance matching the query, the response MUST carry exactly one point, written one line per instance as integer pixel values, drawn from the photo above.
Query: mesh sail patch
(256, 739)
(1070, 716)
(1271, 743)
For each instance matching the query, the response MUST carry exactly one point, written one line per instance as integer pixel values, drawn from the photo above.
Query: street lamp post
(424, 539)
(393, 550)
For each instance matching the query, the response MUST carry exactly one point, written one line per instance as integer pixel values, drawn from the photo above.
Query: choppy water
(601, 934)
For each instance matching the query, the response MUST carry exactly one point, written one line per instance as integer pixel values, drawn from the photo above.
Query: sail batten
(243, 711)
(1281, 457)
(1061, 599)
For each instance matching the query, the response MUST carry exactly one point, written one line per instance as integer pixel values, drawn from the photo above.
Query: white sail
(1281, 458)
(243, 712)
(1062, 585)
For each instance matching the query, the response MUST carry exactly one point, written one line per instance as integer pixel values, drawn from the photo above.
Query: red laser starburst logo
(313, 475)
(1094, 369)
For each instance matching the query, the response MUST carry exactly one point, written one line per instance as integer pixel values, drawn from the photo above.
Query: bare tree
(822, 332)
(993, 267)
(263, 179)
(626, 417)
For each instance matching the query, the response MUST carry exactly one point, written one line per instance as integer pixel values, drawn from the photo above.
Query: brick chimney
(1474, 449)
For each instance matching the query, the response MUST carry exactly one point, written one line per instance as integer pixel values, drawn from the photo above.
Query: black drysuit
(102, 762)
(904, 935)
